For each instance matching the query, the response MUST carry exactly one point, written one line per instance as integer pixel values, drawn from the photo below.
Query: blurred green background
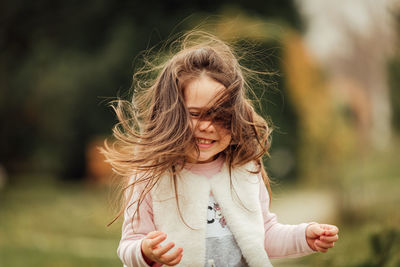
(333, 99)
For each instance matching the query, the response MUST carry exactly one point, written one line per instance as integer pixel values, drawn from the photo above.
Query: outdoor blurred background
(333, 98)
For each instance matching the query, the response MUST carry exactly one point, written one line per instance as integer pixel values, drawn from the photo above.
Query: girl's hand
(321, 237)
(153, 252)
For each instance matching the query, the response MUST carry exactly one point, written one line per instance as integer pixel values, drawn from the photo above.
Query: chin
(207, 158)
(202, 158)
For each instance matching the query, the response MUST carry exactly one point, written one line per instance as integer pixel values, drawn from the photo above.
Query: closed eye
(194, 114)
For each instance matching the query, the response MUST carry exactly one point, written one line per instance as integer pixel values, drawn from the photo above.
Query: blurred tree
(394, 79)
(353, 42)
(60, 62)
(326, 133)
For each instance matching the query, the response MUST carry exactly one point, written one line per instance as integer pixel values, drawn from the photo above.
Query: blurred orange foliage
(326, 132)
(98, 171)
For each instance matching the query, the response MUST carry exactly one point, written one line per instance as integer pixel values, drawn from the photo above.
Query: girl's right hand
(153, 252)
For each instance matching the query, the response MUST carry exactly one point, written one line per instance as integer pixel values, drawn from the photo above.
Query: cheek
(225, 136)
(192, 123)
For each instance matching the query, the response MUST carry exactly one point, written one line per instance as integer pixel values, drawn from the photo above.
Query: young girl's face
(210, 138)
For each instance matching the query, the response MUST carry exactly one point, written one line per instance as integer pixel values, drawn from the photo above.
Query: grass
(49, 223)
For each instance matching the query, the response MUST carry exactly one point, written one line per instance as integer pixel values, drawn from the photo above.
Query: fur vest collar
(246, 224)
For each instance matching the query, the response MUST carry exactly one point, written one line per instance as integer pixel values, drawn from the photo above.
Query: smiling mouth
(204, 141)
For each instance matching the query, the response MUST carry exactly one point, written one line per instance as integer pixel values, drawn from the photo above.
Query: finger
(324, 244)
(326, 238)
(162, 250)
(155, 241)
(330, 229)
(320, 249)
(153, 234)
(166, 258)
(176, 261)
(314, 230)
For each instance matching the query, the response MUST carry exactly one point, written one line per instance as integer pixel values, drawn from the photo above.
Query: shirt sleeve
(282, 240)
(134, 230)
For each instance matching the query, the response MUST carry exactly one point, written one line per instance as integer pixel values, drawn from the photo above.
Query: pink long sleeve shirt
(280, 240)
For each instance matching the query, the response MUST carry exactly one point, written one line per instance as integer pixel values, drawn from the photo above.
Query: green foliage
(60, 63)
(394, 83)
(384, 246)
(394, 80)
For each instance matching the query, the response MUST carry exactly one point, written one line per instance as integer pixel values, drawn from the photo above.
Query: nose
(204, 125)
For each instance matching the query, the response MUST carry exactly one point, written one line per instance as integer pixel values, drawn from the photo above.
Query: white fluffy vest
(246, 224)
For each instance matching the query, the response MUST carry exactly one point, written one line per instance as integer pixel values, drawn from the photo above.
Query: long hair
(154, 128)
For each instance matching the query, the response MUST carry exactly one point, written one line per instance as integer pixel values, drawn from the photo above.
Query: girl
(191, 147)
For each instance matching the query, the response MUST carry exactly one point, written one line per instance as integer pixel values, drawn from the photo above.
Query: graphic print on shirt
(216, 224)
(215, 214)
(221, 246)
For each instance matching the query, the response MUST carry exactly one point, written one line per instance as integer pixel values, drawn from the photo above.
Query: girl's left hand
(321, 237)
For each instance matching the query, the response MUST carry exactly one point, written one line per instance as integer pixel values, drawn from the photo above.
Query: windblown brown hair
(154, 128)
